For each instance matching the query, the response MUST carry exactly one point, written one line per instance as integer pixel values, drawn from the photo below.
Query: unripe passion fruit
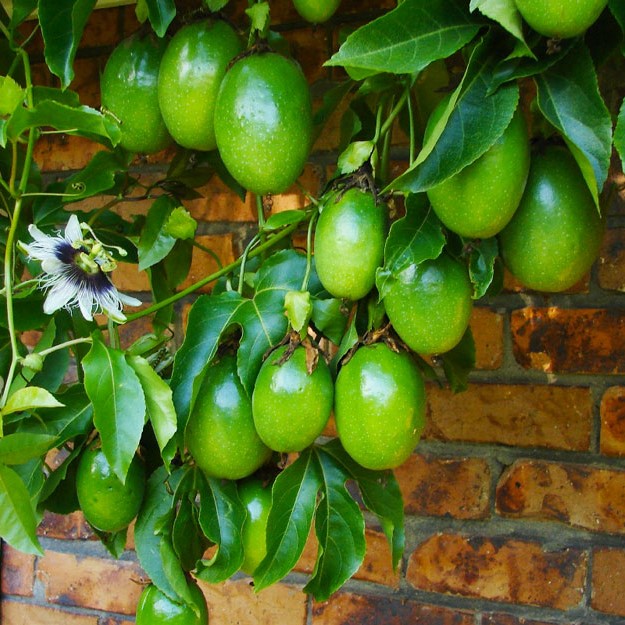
(156, 608)
(263, 122)
(256, 499)
(129, 91)
(379, 406)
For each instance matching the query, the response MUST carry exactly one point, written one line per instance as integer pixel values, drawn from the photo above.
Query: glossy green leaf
(507, 15)
(186, 535)
(153, 542)
(21, 10)
(380, 494)
(118, 404)
(18, 524)
(282, 219)
(159, 404)
(619, 134)
(30, 398)
(416, 237)
(155, 243)
(459, 362)
(471, 124)
(482, 265)
(161, 14)
(221, 517)
(340, 530)
(82, 120)
(21, 447)
(96, 178)
(298, 309)
(354, 156)
(330, 317)
(294, 500)
(408, 38)
(62, 23)
(11, 95)
(568, 96)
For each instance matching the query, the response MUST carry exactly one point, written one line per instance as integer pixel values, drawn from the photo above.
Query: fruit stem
(244, 258)
(309, 246)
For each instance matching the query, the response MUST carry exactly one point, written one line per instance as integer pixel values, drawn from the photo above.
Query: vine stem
(262, 247)
(59, 346)
(309, 244)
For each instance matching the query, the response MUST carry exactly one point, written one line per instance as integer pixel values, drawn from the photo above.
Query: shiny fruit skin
(560, 18)
(556, 233)
(430, 304)
(480, 200)
(349, 244)
(263, 122)
(156, 608)
(190, 74)
(256, 499)
(316, 11)
(291, 406)
(220, 434)
(129, 91)
(107, 503)
(379, 406)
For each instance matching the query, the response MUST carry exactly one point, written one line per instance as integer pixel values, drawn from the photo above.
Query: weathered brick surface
(71, 526)
(507, 619)
(569, 341)
(235, 601)
(14, 613)
(581, 496)
(348, 609)
(612, 439)
(487, 328)
(89, 582)
(611, 265)
(520, 415)
(456, 487)
(608, 581)
(499, 569)
(18, 572)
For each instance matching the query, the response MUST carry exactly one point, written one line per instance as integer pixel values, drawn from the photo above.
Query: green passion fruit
(379, 406)
(316, 11)
(263, 122)
(220, 434)
(556, 233)
(156, 608)
(256, 498)
(128, 88)
(430, 304)
(191, 71)
(291, 405)
(349, 243)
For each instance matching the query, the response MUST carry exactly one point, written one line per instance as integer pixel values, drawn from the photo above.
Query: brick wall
(515, 499)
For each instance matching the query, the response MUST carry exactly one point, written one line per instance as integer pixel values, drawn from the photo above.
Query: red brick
(25, 614)
(580, 496)
(348, 609)
(555, 417)
(18, 572)
(455, 487)
(487, 327)
(608, 581)
(613, 422)
(569, 341)
(87, 582)
(499, 569)
(61, 152)
(507, 619)
(611, 265)
(234, 601)
(71, 526)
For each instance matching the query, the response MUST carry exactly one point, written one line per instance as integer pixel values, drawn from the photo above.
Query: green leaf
(470, 125)
(215, 5)
(82, 120)
(258, 13)
(180, 224)
(330, 317)
(161, 14)
(507, 15)
(340, 529)
(482, 265)
(381, 495)
(568, 96)
(221, 517)
(354, 156)
(30, 398)
(408, 38)
(280, 220)
(159, 404)
(294, 499)
(186, 536)
(21, 447)
(18, 525)
(11, 95)
(459, 362)
(618, 10)
(416, 237)
(21, 10)
(298, 308)
(118, 404)
(96, 178)
(619, 134)
(62, 23)
(155, 243)
(153, 542)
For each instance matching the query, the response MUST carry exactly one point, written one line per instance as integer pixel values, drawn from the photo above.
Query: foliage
(78, 382)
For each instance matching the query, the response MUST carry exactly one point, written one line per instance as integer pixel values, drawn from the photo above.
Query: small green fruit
(256, 499)
(560, 18)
